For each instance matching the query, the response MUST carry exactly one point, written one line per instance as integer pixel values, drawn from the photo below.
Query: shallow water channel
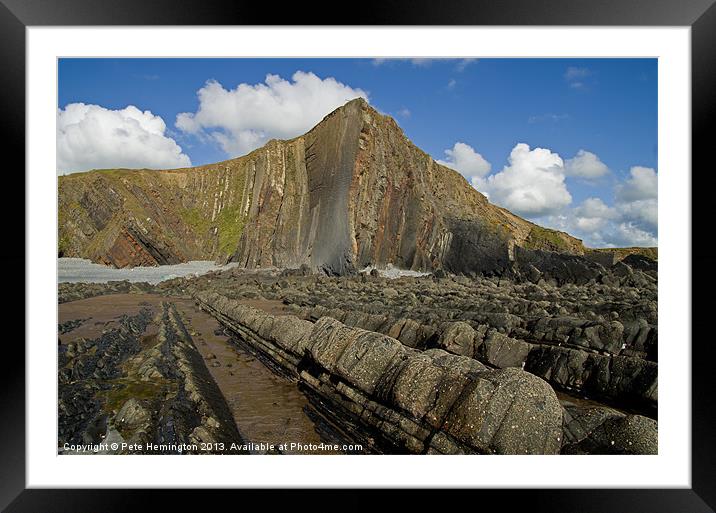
(267, 408)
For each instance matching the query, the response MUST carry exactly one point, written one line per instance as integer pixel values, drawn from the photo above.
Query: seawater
(81, 270)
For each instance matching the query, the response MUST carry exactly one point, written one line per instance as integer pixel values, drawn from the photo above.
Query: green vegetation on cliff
(197, 221)
(230, 223)
(545, 239)
(621, 253)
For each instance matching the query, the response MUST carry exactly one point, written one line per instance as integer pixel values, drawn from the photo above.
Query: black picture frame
(700, 15)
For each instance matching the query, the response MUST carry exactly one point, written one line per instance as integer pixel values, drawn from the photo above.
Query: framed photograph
(420, 250)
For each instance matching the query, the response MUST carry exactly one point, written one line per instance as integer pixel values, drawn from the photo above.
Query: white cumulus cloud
(532, 185)
(246, 117)
(93, 137)
(629, 234)
(465, 160)
(594, 208)
(637, 202)
(592, 214)
(641, 185)
(644, 212)
(585, 165)
(631, 221)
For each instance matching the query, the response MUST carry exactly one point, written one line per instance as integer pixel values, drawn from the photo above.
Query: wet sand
(103, 313)
(267, 408)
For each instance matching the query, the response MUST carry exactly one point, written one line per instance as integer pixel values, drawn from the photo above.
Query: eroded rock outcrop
(600, 430)
(74, 291)
(594, 340)
(409, 400)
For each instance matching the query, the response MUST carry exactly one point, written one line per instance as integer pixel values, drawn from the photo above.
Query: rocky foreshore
(126, 392)
(429, 401)
(598, 339)
(416, 401)
(447, 363)
(74, 291)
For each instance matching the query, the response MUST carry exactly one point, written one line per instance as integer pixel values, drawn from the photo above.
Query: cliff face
(351, 192)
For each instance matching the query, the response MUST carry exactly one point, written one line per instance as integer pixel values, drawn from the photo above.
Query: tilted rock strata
(112, 389)
(628, 380)
(596, 339)
(599, 430)
(83, 365)
(351, 192)
(566, 334)
(417, 402)
(625, 380)
(74, 291)
(214, 421)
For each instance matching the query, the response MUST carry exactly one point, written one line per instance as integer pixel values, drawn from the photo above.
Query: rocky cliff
(351, 192)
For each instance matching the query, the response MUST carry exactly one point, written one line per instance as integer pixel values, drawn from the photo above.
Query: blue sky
(607, 108)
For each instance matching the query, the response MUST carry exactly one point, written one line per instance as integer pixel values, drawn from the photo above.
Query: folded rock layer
(411, 401)
(351, 192)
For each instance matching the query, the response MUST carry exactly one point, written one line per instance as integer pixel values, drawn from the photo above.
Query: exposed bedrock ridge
(214, 422)
(602, 430)
(416, 401)
(602, 336)
(577, 355)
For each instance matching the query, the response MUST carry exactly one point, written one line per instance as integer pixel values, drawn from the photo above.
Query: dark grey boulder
(602, 430)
